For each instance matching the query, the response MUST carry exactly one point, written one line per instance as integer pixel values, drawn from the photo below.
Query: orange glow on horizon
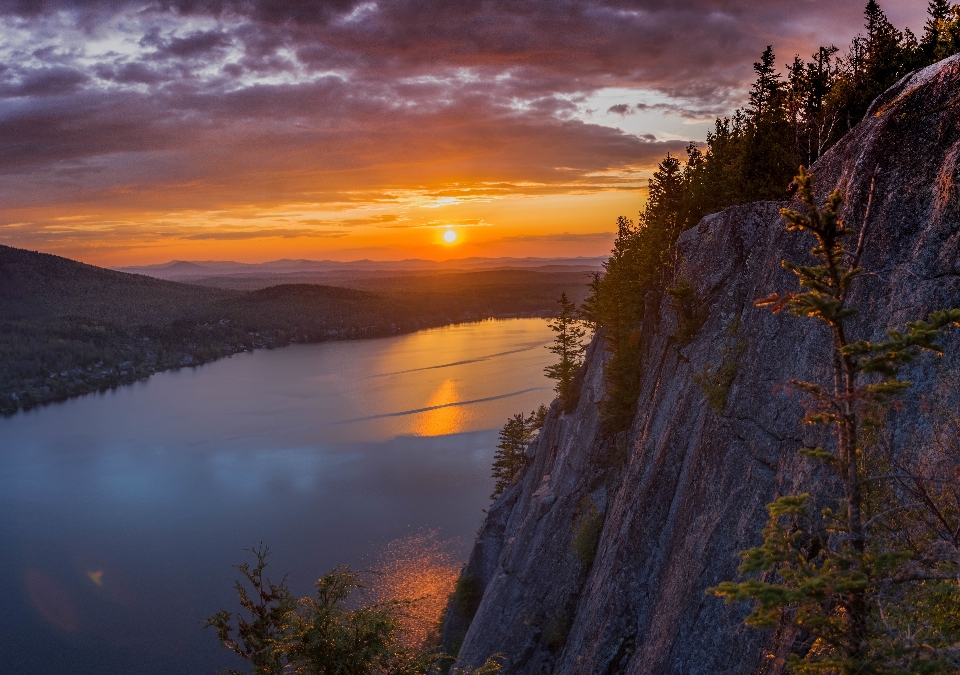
(557, 225)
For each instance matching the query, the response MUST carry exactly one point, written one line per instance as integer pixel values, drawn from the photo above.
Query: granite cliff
(597, 560)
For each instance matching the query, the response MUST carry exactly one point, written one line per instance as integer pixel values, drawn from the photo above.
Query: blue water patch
(121, 515)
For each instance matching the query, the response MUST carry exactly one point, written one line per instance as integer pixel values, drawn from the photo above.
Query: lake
(122, 513)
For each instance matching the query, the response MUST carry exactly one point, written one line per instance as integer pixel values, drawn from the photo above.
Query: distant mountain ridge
(181, 269)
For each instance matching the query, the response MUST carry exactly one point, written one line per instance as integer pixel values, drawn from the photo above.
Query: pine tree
(811, 111)
(326, 634)
(768, 87)
(876, 61)
(844, 574)
(568, 346)
(515, 436)
(509, 458)
(941, 32)
(938, 11)
(537, 418)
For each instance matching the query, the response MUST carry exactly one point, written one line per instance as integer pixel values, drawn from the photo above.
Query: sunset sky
(141, 132)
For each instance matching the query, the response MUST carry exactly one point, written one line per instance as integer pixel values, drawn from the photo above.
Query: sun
(450, 236)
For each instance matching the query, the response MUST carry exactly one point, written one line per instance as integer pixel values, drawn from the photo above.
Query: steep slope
(676, 497)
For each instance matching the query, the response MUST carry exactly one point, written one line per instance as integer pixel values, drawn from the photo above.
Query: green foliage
(941, 33)
(691, 312)
(277, 634)
(716, 381)
(636, 267)
(557, 629)
(871, 577)
(515, 436)
(568, 346)
(587, 526)
(537, 418)
(260, 634)
(466, 595)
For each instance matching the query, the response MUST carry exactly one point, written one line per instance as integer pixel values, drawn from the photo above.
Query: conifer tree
(537, 418)
(315, 635)
(938, 12)
(843, 574)
(568, 346)
(876, 61)
(508, 460)
(329, 634)
(515, 436)
(941, 32)
(766, 90)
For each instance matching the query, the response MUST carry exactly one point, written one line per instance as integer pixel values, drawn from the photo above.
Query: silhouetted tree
(941, 32)
(748, 157)
(568, 346)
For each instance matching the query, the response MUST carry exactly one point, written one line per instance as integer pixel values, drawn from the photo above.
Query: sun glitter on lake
(419, 570)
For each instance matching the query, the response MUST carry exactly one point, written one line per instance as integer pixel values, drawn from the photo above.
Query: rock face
(671, 502)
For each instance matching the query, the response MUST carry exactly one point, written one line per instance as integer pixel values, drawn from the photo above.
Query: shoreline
(99, 378)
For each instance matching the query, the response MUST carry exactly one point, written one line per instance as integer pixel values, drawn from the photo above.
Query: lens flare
(52, 602)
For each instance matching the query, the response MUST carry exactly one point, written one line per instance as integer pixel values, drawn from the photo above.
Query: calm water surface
(122, 513)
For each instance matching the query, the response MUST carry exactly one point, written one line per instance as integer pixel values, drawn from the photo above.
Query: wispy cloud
(234, 235)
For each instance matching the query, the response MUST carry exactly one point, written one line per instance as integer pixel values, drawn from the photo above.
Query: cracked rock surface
(685, 489)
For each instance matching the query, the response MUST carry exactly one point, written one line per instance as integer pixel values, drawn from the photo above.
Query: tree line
(866, 570)
(791, 118)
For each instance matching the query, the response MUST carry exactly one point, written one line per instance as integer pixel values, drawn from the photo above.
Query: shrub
(716, 381)
(587, 526)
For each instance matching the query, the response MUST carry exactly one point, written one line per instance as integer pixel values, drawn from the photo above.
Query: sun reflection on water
(420, 570)
(442, 421)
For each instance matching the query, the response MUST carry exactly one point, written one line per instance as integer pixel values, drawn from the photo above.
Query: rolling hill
(68, 328)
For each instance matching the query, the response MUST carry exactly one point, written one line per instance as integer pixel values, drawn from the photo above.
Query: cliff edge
(597, 560)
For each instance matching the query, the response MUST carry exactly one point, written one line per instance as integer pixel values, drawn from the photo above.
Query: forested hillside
(67, 328)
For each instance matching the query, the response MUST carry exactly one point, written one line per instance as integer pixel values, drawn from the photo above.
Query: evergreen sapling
(860, 579)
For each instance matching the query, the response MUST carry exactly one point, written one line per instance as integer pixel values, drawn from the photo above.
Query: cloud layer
(224, 109)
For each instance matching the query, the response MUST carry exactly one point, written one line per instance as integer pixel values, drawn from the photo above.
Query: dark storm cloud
(233, 100)
(129, 73)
